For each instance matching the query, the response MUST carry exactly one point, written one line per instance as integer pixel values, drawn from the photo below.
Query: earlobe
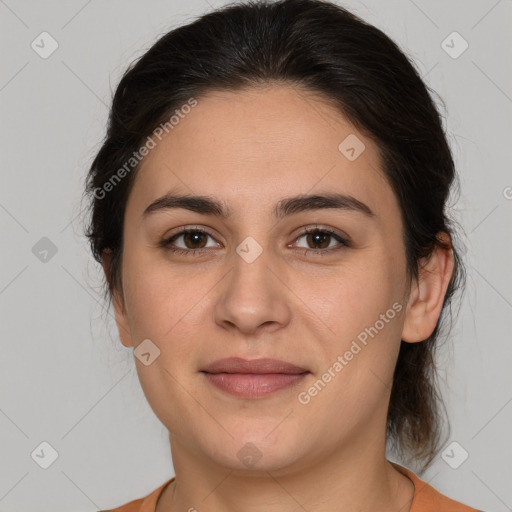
(120, 314)
(427, 293)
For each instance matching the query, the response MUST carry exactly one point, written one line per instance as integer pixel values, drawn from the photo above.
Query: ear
(118, 302)
(427, 293)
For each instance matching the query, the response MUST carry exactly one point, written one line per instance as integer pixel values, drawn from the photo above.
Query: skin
(250, 149)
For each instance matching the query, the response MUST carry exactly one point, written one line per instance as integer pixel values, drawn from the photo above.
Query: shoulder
(428, 499)
(145, 504)
(132, 506)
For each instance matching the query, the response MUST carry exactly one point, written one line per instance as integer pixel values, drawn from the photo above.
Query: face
(253, 284)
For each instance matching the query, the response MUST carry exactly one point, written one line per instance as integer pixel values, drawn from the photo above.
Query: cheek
(364, 313)
(161, 308)
(353, 298)
(355, 378)
(158, 296)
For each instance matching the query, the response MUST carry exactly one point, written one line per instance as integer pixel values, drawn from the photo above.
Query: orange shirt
(426, 498)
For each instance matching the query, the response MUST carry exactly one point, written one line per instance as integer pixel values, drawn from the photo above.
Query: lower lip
(253, 385)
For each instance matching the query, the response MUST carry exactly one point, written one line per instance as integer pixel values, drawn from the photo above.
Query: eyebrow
(206, 205)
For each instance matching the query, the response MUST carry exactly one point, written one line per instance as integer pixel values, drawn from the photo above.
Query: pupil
(195, 237)
(318, 238)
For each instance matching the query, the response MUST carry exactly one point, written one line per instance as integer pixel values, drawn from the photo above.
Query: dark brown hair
(329, 51)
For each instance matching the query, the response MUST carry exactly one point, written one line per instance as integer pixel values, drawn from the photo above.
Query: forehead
(253, 147)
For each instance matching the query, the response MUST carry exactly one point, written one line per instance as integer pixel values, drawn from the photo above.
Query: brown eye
(320, 240)
(193, 240)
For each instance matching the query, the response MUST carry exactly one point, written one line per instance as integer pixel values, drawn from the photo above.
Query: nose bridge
(252, 294)
(251, 277)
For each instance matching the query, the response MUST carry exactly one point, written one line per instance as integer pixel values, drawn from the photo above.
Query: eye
(194, 240)
(323, 238)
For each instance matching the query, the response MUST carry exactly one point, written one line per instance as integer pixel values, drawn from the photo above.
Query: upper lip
(262, 366)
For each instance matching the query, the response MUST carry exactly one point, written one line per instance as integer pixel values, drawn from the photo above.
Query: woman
(269, 210)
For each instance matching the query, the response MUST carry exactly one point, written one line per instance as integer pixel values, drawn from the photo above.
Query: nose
(254, 296)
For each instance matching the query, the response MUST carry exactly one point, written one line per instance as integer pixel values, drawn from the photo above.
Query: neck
(355, 478)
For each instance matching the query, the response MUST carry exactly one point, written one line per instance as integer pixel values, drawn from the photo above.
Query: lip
(255, 366)
(254, 378)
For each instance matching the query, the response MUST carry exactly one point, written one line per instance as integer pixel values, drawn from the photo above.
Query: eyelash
(166, 243)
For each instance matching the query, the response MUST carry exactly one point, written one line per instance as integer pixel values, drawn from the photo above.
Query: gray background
(64, 376)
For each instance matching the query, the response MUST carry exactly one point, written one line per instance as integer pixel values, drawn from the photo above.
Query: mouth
(255, 378)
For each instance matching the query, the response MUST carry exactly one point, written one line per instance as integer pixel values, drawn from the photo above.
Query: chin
(260, 449)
